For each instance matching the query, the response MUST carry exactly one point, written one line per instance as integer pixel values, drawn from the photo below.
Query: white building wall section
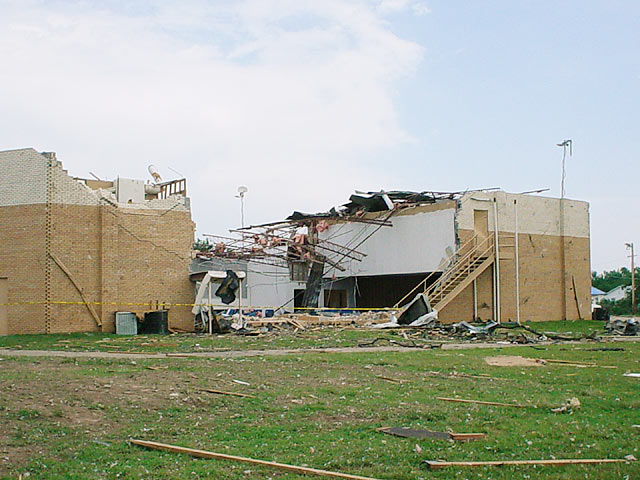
(270, 286)
(537, 215)
(416, 243)
(23, 176)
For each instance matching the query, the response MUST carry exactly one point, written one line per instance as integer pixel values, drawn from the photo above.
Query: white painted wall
(536, 214)
(269, 286)
(415, 243)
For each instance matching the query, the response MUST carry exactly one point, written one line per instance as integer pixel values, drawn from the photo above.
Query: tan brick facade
(541, 283)
(117, 254)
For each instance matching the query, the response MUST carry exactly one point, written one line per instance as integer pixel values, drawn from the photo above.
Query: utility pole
(633, 279)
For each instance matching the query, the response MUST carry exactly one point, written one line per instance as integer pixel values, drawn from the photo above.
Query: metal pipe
(475, 300)
(210, 308)
(240, 320)
(633, 283)
(517, 261)
(497, 260)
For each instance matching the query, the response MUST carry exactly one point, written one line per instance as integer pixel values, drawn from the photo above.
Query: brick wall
(541, 282)
(117, 254)
(147, 260)
(22, 261)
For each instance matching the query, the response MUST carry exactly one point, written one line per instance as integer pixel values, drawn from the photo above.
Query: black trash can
(155, 322)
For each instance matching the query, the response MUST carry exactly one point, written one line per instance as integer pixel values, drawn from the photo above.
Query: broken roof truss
(296, 239)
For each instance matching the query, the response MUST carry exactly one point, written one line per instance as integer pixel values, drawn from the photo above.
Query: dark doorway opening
(335, 298)
(298, 295)
(386, 290)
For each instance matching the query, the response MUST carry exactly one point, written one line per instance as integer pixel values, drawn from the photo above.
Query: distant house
(617, 293)
(597, 295)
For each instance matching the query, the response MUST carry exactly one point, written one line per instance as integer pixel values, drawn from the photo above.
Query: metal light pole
(563, 260)
(633, 279)
(565, 144)
(242, 190)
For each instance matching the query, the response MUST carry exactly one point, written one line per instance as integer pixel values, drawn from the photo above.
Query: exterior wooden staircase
(472, 258)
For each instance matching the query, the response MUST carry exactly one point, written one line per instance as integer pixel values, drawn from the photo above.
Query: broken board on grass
(223, 456)
(422, 433)
(434, 465)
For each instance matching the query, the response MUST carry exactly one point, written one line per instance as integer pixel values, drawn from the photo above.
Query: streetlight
(563, 260)
(565, 144)
(633, 279)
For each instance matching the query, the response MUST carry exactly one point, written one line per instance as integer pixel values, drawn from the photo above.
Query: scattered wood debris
(410, 344)
(569, 406)
(422, 433)
(480, 402)
(392, 380)
(570, 362)
(434, 465)
(464, 375)
(221, 456)
(222, 392)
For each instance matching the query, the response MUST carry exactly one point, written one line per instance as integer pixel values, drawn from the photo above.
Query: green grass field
(286, 338)
(70, 419)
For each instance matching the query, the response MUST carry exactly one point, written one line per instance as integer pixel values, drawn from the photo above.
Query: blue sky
(304, 102)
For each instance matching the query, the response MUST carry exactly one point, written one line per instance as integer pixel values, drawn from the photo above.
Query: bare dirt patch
(513, 361)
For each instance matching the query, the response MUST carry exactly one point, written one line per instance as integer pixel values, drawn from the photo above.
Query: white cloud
(420, 8)
(287, 97)
(417, 7)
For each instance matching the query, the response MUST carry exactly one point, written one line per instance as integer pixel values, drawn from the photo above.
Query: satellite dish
(153, 171)
(242, 190)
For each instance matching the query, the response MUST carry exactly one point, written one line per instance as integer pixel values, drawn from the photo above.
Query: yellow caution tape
(157, 304)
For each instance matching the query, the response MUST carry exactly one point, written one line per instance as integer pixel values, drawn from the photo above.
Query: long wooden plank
(569, 362)
(222, 392)
(75, 284)
(573, 461)
(222, 456)
(575, 297)
(421, 433)
(498, 404)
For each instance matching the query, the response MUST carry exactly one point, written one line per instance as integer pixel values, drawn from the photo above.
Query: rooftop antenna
(565, 144)
(175, 171)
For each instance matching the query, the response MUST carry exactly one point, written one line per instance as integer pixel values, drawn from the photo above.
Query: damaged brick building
(74, 251)
(482, 254)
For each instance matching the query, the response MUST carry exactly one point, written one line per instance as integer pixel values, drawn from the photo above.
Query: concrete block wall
(22, 181)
